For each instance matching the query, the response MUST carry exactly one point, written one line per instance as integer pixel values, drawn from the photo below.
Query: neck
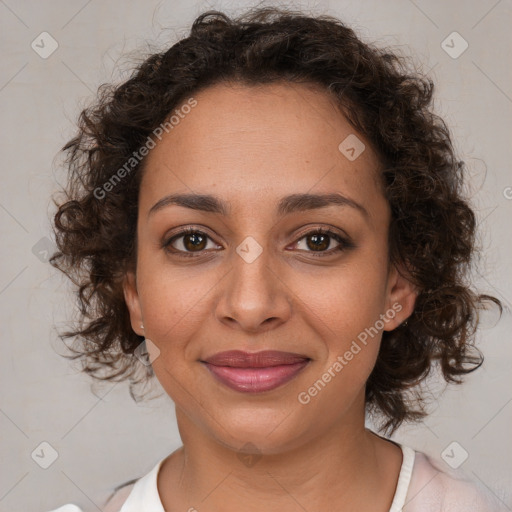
(347, 468)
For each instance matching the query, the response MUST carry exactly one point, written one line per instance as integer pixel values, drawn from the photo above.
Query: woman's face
(255, 275)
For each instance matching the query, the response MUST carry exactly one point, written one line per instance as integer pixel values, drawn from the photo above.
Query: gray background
(101, 436)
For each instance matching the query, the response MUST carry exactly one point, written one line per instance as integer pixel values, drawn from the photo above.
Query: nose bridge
(253, 294)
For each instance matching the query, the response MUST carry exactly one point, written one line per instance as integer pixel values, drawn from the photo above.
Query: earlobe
(401, 298)
(131, 298)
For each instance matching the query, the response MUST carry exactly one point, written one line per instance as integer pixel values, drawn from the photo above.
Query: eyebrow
(288, 204)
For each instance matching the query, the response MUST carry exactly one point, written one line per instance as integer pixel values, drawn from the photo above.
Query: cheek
(175, 304)
(347, 319)
(345, 300)
(171, 312)
(345, 309)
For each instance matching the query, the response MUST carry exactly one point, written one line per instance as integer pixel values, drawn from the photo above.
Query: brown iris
(197, 241)
(323, 244)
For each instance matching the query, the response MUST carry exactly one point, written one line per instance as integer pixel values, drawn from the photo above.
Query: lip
(255, 372)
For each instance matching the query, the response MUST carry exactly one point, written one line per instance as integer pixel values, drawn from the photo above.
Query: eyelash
(344, 242)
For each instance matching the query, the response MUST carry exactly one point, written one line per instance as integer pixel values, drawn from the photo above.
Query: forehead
(261, 141)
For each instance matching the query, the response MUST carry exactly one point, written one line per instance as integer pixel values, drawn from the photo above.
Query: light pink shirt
(424, 485)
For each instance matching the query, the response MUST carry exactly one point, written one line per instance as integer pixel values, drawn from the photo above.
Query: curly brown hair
(432, 229)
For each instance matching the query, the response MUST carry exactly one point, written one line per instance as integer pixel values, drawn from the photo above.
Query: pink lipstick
(257, 371)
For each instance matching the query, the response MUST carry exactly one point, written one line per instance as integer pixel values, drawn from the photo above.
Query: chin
(256, 432)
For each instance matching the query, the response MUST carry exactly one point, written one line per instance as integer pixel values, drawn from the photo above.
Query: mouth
(255, 372)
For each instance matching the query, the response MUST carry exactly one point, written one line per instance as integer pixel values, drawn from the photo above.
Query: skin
(250, 146)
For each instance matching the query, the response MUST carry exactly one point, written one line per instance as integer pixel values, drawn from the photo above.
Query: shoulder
(113, 503)
(434, 488)
(118, 497)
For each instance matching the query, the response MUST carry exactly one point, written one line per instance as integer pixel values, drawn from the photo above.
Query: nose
(254, 297)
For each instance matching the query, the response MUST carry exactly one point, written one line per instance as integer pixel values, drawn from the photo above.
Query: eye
(319, 240)
(192, 240)
(186, 242)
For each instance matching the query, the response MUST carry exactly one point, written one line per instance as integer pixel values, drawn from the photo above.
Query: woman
(272, 211)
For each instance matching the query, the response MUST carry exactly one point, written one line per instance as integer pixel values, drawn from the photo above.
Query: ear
(131, 297)
(401, 298)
